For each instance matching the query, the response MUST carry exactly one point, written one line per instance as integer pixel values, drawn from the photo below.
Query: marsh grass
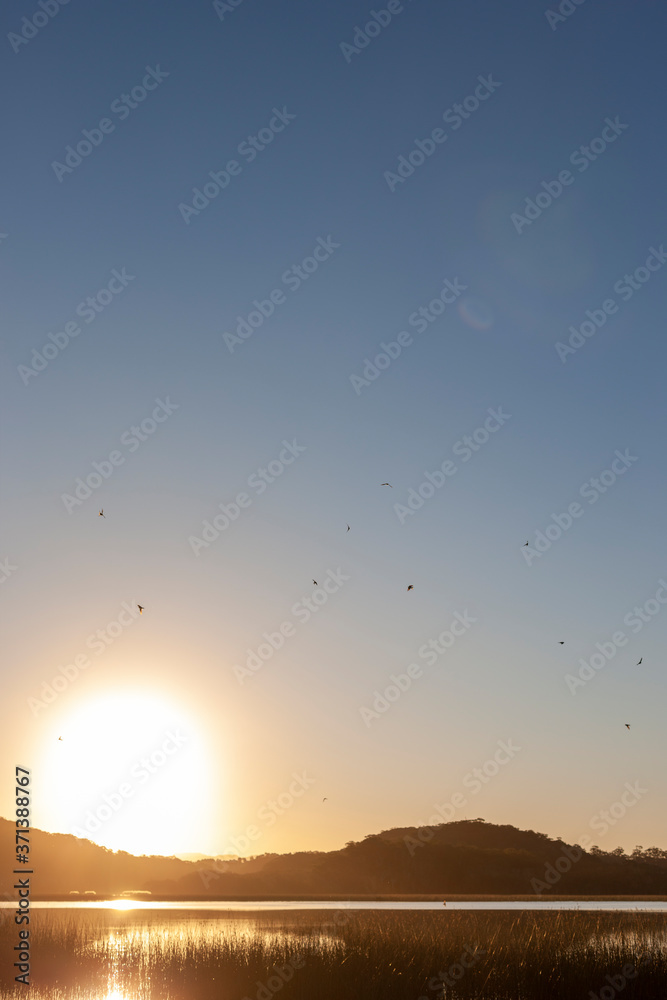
(346, 954)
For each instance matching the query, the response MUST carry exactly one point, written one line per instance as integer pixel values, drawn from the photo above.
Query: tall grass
(345, 954)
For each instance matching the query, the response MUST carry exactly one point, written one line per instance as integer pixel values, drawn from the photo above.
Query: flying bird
(101, 513)
(141, 610)
(387, 484)
(348, 527)
(525, 543)
(640, 660)
(411, 587)
(627, 725)
(60, 738)
(316, 583)
(561, 643)
(325, 799)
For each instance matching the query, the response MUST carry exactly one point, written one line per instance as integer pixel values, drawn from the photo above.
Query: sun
(129, 771)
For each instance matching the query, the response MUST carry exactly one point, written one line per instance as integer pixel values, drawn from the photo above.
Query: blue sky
(321, 182)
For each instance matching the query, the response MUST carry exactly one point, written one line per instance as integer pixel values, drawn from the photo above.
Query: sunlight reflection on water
(183, 936)
(269, 906)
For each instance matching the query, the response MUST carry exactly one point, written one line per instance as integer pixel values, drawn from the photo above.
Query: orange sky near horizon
(151, 767)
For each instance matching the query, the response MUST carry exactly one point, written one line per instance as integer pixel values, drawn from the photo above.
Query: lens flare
(476, 313)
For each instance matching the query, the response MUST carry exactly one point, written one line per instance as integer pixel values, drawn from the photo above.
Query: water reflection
(181, 937)
(658, 905)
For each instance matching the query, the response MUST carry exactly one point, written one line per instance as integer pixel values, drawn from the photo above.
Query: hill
(469, 856)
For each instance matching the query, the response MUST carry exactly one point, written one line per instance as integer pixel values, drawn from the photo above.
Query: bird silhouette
(640, 660)
(525, 543)
(627, 726)
(561, 643)
(101, 513)
(60, 738)
(325, 799)
(387, 484)
(348, 527)
(316, 583)
(411, 587)
(141, 610)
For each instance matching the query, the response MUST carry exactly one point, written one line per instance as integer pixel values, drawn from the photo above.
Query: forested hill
(470, 856)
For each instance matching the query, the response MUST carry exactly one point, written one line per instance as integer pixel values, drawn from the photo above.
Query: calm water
(270, 905)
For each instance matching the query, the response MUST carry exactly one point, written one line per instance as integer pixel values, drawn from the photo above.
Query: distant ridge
(204, 857)
(465, 857)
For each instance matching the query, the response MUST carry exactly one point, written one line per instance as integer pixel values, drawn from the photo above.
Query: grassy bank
(341, 954)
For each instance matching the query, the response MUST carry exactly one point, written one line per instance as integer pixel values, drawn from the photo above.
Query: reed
(342, 955)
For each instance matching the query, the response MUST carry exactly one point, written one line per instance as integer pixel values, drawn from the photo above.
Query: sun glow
(129, 771)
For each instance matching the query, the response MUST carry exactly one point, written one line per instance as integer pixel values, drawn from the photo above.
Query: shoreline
(351, 898)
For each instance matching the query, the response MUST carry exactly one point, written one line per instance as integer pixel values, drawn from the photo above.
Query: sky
(470, 194)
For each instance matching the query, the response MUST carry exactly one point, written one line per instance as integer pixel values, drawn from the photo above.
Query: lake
(222, 906)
